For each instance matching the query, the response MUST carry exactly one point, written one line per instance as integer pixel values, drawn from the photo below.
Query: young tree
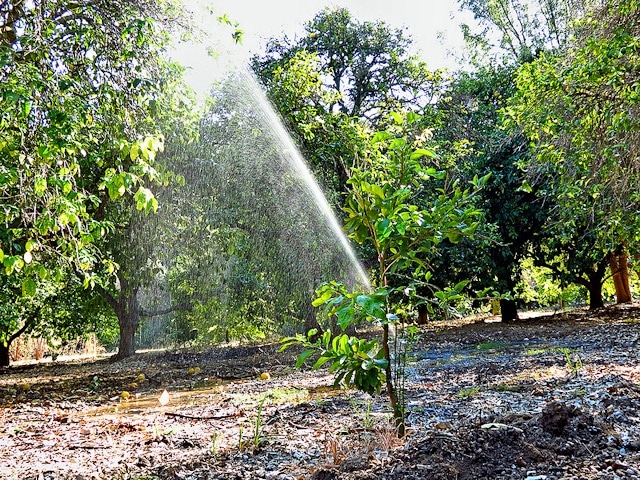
(381, 213)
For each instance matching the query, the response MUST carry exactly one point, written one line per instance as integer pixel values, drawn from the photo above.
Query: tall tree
(341, 76)
(467, 128)
(80, 86)
(518, 30)
(367, 62)
(581, 109)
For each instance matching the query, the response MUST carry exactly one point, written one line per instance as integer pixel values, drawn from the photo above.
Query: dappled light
(330, 261)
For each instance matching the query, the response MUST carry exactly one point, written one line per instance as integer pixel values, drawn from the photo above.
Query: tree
(381, 211)
(519, 30)
(467, 130)
(367, 62)
(80, 85)
(340, 75)
(581, 109)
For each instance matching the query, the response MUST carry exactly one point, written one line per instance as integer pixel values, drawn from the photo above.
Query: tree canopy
(81, 87)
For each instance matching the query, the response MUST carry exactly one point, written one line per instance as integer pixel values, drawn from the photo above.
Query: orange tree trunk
(620, 274)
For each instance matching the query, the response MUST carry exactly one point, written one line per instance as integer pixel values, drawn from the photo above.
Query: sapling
(381, 214)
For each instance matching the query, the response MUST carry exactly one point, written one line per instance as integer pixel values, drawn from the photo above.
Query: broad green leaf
(321, 361)
(303, 356)
(28, 287)
(423, 152)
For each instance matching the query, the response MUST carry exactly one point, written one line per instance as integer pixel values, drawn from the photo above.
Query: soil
(547, 397)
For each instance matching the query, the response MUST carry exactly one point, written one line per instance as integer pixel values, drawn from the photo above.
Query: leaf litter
(548, 397)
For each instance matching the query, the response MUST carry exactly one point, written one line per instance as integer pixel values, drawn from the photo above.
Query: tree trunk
(620, 274)
(311, 321)
(128, 313)
(423, 314)
(509, 310)
(4, 355)
(593, 284)
(595, 295)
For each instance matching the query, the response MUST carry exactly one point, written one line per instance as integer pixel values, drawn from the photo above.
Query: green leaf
(372, 305)
(321, 361)
(423, 152)
(323, 298)
(345, 316)
(28, 287)
(525, 187)
(303, 356)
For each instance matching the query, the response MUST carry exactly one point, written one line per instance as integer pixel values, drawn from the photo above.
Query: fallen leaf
(164, 398)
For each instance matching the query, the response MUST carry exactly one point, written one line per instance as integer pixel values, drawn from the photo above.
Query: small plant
(491, 345)
(536, 351)
(216, 439)
(574, 361)
(95, 383)
(468, 392)
(39, 348)
(365, 414)
(505, 387)
(334, 448)
(258, 438)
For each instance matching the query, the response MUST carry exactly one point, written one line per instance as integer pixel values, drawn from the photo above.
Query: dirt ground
(548, 397)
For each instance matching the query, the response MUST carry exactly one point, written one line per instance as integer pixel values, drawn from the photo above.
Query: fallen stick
(196, 417)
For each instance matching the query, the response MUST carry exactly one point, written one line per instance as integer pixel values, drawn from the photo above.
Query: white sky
(433, 25)
(425, 19)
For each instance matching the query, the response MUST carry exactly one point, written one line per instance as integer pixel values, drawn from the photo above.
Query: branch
(26, 325)
(111, 300)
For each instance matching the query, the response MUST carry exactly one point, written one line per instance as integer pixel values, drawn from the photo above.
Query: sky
(426, 20)
(433, 25)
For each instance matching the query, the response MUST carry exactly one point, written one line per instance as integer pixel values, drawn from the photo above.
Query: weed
(387, 437)
(491, 345)
(257, 437)
(505, 387)
(241, 443)
(574, 361)
(365, 414)
(335, 448)
(536, 351)
(216, 439)
(95, 383)
(468, 392)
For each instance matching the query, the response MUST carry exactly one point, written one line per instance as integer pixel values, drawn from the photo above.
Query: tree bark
(423, 314)
(620, 275)
(595, 295)
(593, 284)
(4, 355)
(128, 313)
(509, 310)
(5, 359)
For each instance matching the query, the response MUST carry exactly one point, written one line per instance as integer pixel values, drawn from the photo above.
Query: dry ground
(550, 397)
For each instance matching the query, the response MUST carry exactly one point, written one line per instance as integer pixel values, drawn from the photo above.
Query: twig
(196, 417)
